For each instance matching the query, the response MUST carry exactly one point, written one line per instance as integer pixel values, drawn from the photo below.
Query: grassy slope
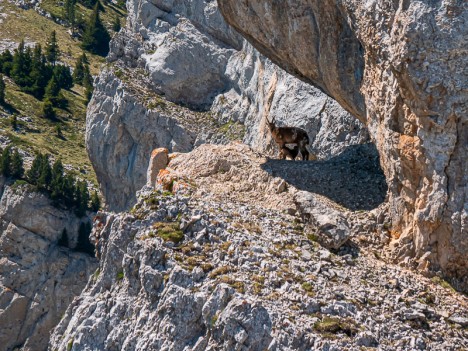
(39, 134)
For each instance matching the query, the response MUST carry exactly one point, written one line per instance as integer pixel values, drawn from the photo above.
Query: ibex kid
(290, 135)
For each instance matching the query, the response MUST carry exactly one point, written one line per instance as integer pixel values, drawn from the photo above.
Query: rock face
(179, 77)
(400, 67)
(38, 278)
(225, 265)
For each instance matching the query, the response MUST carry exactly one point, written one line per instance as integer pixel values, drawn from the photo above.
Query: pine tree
(88, 84)
(63, 241)
(21, 67)
(41, 73)
(5, 164)
(52, 51)
(6, 62)
(78, 72)
(52, 91)
(81, 67)
(17, 167)
(48, 110)
(96, 38)
(63, 76)
(58, 131)
(68, 190)
(81, 198)
(45, 177)
(14, 122)
(69, 8)
(95, 202)
(116, 24)
(2, 90)
(33, 174)
(56, 184)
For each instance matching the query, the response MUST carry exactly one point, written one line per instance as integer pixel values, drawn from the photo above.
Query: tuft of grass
(307, 287)
(120, 275)
(220, 271)
(443, 283)
(236, 284)
(169, 231)
(333, 325)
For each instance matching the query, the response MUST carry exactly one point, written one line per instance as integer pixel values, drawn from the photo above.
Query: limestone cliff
(38, 278)
(223, 263)
(400, 67)
(178, 77)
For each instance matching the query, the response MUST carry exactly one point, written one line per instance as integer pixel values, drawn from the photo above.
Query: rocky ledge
(226, 258)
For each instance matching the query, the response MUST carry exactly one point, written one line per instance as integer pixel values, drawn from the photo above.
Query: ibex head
(271, 125)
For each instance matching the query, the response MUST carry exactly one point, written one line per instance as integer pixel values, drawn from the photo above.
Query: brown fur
(290, 135)
(286, 152)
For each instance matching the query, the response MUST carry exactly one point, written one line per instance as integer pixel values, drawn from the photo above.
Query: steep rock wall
(184, 52)
(38, 278)
(400, 66)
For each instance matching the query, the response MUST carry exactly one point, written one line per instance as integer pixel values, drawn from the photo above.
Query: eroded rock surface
(38, 278)
(180, 77)
(225, 264)
(400, 67)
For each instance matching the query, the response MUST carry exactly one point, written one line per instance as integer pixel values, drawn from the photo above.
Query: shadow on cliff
(352, 179)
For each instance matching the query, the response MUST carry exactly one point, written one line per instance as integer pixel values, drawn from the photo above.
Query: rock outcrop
(400, 67)
(224, 264)
(38, 278)
(179, 77)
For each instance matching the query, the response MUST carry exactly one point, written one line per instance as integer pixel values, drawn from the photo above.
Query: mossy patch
(334, 325)
(169, 231)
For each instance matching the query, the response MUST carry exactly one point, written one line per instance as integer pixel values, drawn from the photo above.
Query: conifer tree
(63, 241)
(70, 15)
(40, 74)
(14, 122)
(68, 190)
(95, 202)
(48, 110)
(52, 51)
(56, 184)
(82, 198)
(88, 84)
(33, 174)
(58, 131)
(17, 167)
(78, 72)
(81, 68)
(6, 61)
(5, 164)
(63, 76)
(21, 66)
(45, 177)
(52, 91)
(2, 90)
(96, 38)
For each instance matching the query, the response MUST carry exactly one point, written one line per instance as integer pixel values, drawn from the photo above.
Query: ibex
(290, 135)
(286, 152)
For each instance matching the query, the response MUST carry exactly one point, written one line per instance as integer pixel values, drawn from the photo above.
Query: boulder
(158, 161)
(326, 224)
